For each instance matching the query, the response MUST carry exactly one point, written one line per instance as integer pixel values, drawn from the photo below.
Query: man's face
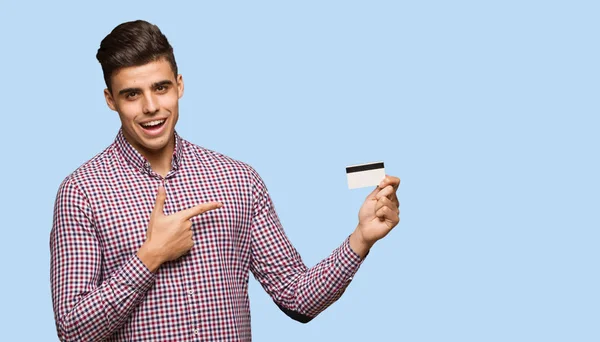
(147, 100)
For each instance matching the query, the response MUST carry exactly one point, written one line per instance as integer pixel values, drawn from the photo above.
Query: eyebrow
(154, 85)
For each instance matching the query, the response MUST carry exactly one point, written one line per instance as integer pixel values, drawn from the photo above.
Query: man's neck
(160, 161)
(161, 164)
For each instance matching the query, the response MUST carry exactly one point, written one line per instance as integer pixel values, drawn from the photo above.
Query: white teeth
(153, 123)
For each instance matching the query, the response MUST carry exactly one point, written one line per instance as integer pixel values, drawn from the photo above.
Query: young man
(153, 239)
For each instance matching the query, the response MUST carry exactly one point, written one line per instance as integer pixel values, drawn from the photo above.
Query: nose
(150, 104)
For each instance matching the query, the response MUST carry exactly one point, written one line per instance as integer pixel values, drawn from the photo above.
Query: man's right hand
(169, 236)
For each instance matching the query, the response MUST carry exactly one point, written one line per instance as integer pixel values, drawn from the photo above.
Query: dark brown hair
(133, 43)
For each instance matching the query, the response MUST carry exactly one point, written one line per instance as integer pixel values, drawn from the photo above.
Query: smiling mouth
(153, 125)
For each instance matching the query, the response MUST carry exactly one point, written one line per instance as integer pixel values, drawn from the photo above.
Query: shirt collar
(139, 162)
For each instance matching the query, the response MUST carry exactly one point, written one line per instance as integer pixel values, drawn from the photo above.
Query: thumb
(159, 205)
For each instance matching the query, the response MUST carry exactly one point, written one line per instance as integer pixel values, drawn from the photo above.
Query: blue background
(487, 111)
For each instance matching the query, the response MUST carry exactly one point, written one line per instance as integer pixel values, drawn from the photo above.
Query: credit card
(363, 175)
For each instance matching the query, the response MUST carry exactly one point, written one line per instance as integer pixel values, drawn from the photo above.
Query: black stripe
(296, 316)
(365, 167)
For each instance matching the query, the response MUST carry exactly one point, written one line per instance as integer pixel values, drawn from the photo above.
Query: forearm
(102, 311)
(300, 292)
(320, 286)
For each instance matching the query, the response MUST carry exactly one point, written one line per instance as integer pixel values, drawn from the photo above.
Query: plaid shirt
(102, 291)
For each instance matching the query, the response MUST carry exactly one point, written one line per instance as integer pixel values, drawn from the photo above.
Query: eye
(132, 94)
(162, 88)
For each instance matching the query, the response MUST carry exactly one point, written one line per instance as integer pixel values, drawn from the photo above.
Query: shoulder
(87, 175)
(221, 163)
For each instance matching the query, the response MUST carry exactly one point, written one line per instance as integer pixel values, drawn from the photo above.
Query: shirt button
(191, 292)
(196, 331)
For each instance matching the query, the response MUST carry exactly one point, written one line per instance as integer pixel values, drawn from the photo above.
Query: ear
(179, 86)
(109, 100)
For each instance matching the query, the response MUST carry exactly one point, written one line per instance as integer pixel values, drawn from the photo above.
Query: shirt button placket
(191, 292)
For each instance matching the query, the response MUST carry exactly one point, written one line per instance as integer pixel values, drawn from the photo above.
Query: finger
(388, 214)
(385, 192)
(389, 192)
(395, 200)
(199, 209)
(386, 202)
(390, 180)
(159, 204)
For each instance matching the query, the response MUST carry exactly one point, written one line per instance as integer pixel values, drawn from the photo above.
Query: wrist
(149, 258)
(358, 243)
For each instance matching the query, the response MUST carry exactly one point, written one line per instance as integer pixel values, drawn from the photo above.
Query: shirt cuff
(138, 275)
(348, 260)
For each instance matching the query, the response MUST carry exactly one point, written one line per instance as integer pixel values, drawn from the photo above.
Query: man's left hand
(378, 215)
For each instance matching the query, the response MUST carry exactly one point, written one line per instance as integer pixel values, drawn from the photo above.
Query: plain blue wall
(487, 110)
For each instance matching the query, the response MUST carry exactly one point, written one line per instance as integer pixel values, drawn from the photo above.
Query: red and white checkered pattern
(102, 291)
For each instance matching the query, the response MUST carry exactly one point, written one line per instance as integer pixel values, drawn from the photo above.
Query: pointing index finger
(187, 214)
